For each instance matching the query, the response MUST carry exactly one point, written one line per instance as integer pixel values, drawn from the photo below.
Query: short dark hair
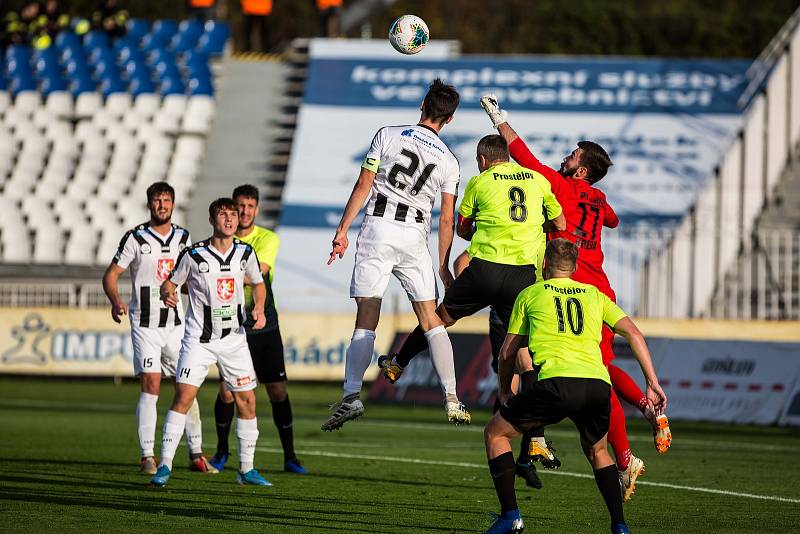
(157, 188)
(493, 148)
(247, 191)
(595, 159)
(222, 204)
(441, 101)
(561, 254)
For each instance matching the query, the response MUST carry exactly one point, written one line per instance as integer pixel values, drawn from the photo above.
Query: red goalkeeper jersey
(586, 211)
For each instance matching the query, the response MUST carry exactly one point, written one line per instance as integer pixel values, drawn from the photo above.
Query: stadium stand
(87, 123)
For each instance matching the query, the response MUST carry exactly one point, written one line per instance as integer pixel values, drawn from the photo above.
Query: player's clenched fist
(259, 318)
(168, 294)
(117, 311)
(340, 244)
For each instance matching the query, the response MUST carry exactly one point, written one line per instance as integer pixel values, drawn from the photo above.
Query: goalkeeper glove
(491, 106)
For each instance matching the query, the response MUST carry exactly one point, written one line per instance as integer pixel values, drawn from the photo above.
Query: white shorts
(387, 247)
(231, 354)
(155, 350)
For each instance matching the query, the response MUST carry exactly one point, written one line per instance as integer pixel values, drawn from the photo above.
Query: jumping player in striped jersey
(587, 212)
(404, 170)
(150, 250)
(215, 272)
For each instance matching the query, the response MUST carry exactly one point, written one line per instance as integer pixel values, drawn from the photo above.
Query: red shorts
(601, 283)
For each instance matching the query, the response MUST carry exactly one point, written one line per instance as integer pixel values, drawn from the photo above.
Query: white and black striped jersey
(412, 165)
(216, 288)
(151, 257)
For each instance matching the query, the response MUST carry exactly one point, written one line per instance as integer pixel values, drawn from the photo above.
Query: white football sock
(358, 357)
(171, 437)
(146, 415)
(247, 433)
(194, 429)
(442, 357)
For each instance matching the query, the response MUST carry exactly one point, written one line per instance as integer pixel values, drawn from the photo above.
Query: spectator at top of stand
(109, 16)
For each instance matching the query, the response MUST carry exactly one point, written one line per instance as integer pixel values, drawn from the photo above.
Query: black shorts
(587, 401)
(484, 283)
(266, 350)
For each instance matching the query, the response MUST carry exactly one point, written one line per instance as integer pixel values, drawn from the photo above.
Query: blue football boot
(219, 460)
(252, 478)
(161, 477)
(620, 528)
(508, 523)
(294, 466)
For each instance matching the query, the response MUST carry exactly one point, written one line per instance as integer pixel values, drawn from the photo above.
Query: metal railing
(686, 277)
(28, 294)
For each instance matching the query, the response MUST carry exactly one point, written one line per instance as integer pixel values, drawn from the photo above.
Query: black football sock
(503, 472)
(413, 345)
(524, 449)
(223, 417)
(607, 480)
(282, 417)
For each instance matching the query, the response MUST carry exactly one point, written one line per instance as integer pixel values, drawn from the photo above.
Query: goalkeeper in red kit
(587, 211)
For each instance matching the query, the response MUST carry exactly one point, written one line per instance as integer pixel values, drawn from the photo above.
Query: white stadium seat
(47, 245)
(58, 130)
(80, 246)
(87, 104)
(174, 105)
(196, 124)
(147, 104)
(60, 103)
(166, 122)
(27, 101)
(5, 101)
(118, 103)
(42, 117)
(16, 245)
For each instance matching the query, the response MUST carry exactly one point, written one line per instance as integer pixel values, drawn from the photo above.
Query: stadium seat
(42, 117)
(86, 104)
(27, 101)
(60, 103)
(174, 104)
(213, 41)
(80, 247)
(58, 129)
(118, 103)
(166, 122)
(47, 243)
(147, 104)
(137, 28)
(96, 39)
(165, 29)
(16, 247)
(5, 101)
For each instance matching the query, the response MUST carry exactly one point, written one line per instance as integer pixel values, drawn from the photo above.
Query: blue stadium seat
(141, 85)
(20, 84)
(153, 42)
(47, 68)
(81, 85)
(19, 52)
(126, 54)
(19, 66)
(199, 86)
(106, 69)
(137, 28)
(48, 54)
(183, 42)
(172, 86)
(51, 84)
(96, 55)
(66, 39)
(165, 29)
(212, 42)
(71, 52)
(137, 69)
(158, 55)
(167, 69)
(112, 85)
(96, 38)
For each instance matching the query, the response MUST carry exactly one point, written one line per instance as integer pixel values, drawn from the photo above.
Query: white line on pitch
(395, 459)
(437, 427)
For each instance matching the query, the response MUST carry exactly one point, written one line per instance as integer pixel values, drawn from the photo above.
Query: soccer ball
(409, 34)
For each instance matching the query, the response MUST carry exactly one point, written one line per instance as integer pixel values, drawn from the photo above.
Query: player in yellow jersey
(502, 214)
(266, 345)
(562, 320)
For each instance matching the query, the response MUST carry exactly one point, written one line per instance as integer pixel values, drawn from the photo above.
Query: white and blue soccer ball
(409, 34)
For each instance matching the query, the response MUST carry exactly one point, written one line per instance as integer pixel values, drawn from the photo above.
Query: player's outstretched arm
(169, 294)
(446, 231)
(259, 298)
(628, 329)
(354, 204)
(111, 288)
(507, 365)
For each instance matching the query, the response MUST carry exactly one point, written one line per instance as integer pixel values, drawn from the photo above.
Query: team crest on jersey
(225, 289)
(242, 264)
(145, 248)
(165, 266)
(203, 267)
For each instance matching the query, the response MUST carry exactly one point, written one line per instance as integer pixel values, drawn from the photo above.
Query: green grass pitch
(70, 453)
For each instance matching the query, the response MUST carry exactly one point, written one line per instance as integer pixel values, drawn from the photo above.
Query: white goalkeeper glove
(491, 106)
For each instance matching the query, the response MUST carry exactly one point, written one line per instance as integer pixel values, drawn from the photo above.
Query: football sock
(503, 472)
(146, 415)
(171, 437)
(223, 416)
(617, 435)
(282, 417)
(627, 388)
(247, 433)
(413, 345)
(194, 431)
(442, 357)
(608, 483)
(358, 357)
